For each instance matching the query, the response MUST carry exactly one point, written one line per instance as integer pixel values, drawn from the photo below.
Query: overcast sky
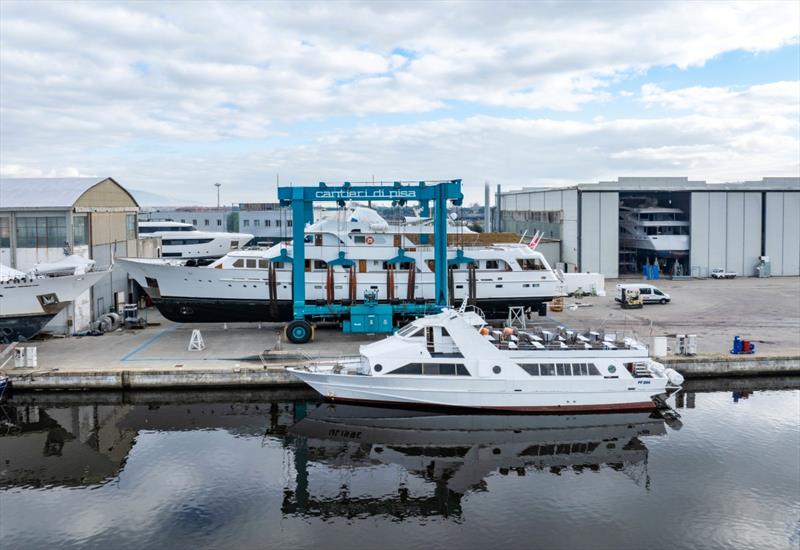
(172, 97)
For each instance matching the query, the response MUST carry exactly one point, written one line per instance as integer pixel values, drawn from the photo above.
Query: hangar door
(725, 232)
(782, 232)
(599, 237)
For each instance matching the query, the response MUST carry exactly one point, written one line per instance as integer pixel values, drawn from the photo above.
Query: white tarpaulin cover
(72, 265)
(9, 272)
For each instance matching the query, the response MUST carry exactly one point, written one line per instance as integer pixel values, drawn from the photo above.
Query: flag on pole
(535, 240)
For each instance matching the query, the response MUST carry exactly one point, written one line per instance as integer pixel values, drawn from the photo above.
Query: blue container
(737, 345)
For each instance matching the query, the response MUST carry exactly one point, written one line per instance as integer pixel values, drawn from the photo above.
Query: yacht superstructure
(654, 229)
(453, 359)
(348, 255)
(183, 240)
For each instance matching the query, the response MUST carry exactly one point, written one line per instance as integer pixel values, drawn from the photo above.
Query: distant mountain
(146, 198)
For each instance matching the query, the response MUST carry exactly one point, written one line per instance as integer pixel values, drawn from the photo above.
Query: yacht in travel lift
(185, 241)
(455, 360)
(348, 254)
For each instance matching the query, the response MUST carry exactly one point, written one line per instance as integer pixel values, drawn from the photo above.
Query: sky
(170, 98)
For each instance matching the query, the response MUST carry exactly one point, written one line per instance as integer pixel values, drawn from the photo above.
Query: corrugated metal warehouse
(730, 225)
(45, 219)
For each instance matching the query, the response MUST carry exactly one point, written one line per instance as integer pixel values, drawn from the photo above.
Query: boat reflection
(442, 457)
(77, 440)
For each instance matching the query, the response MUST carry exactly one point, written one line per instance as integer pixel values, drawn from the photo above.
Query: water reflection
(454, 454)
(83, 440)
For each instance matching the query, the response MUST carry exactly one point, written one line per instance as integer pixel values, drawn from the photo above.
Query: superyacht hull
(221, 310)
(27, 305)
(20, 328)
(208, 295)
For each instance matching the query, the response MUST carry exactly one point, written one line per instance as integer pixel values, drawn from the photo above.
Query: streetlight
(217, 185)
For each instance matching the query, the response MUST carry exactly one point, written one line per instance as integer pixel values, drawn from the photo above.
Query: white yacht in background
(347, 255)
(184, 241)
(454, 360)
(654, 230)
(28, 301)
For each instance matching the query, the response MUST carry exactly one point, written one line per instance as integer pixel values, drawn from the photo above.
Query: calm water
(274, 469)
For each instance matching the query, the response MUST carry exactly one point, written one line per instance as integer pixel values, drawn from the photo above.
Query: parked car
(720, 273)
(649, 293)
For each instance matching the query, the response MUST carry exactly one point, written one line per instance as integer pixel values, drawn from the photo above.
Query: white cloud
(146, 90)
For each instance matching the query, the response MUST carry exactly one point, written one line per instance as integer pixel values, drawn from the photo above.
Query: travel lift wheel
(299, 331)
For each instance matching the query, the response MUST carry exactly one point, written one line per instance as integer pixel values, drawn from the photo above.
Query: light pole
(217, 185)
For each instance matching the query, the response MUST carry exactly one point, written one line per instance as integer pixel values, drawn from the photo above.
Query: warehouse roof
(651, 184)
(47, 193)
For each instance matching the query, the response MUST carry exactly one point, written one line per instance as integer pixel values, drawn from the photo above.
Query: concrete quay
(247, 356)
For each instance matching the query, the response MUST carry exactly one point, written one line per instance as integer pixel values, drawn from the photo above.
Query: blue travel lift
(369, 316)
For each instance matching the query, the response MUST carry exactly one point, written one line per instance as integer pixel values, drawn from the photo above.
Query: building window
(5, 232)
(206, 222)
(277, 223)
(219, 223)
(246, 223)
(80, 230)
(194, 222)
(42, 232)
(267, 223)
(256, 223)
(288, 223)
(130, 227)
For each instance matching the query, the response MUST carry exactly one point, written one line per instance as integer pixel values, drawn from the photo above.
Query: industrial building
(46, 219)
(729, 225)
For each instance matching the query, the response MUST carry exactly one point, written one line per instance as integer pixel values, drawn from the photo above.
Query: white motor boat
(28, 301)
(348, 255)
(452, 359)
(185, 241)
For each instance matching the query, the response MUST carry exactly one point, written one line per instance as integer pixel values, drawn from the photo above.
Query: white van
(649, 293)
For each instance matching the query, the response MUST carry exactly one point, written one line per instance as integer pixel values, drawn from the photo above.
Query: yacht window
(593, 370)
(562, 369)
(530, 368)
(432, 369)
(262, 264)
(278, 265)
(407, 330)
(580, 369)
(531, 265)
(238, 263)
(320, 264)
(359, 239)
(251, 262)
(492, 264)
(547, 369)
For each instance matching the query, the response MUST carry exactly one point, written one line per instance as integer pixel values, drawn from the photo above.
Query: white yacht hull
(553, 395)
(27, 305)
(663, 244)
(201, 294)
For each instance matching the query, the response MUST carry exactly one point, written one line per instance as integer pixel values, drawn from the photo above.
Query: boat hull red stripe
(639, 406)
